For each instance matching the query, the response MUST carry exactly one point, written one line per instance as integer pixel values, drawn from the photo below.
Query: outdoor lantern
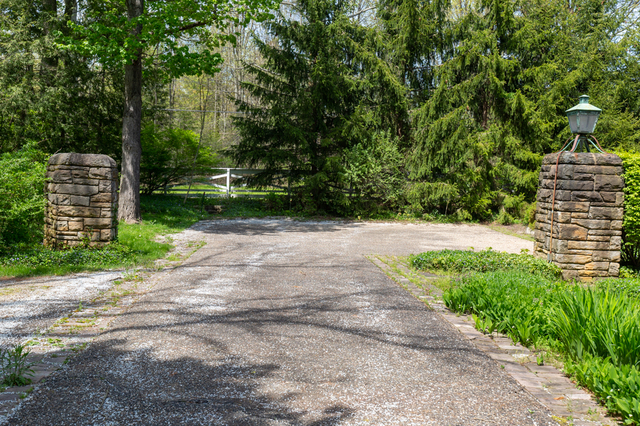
(583, 117)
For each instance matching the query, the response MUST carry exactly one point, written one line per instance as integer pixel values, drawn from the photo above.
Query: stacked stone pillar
(587, 224)
(82, 201)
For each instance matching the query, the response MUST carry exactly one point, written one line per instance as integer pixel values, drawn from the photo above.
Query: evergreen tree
(512, 70)
(308, 92)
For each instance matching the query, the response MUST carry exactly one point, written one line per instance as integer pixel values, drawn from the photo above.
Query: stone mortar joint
(82, 201)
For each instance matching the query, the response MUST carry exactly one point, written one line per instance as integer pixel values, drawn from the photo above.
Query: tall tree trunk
(129, 201)
(71, 10)
(49, 64)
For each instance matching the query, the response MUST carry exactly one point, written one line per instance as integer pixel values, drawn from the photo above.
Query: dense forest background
(426, 107)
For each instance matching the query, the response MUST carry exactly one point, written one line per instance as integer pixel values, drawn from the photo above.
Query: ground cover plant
(462, 261)
(594, 329)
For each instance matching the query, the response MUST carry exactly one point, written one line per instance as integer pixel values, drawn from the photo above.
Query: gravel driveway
(280, 322)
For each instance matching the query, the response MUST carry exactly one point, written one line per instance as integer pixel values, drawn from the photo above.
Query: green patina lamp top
(584, 106)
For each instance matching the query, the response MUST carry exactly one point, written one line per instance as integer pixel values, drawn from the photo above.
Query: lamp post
(582, 121)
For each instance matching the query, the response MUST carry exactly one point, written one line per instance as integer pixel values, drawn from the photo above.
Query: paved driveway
(278, 322)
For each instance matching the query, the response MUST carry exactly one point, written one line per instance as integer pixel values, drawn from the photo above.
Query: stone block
(604, 232)
(573, 206)
(98, 222)
(76, 225)
(609, 197)
(592, 223)
(108, 234)
(572, 232)
(591, 196)
(108, 186)
(570, 275)
(614, 269)
(599, 170)
(572, 258)
(598, 238)
(592, 273)
(616, 225)
(75, 200)
(70, 189)
(615, 213)
(606, 256)
(100, 173)
(578, 215)
(80, 173)
(609, 183)
(588, 245)
(86, 181)
(102, 197)
(60, 176)
(568, 185)
(615, 243)
(87, 160)
(77, 211)
(597, 266)
(62, 226)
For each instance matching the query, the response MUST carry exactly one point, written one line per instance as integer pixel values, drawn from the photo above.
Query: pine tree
(307, 92)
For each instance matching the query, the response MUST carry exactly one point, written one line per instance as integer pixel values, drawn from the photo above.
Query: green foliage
(513, 303)
(463, 261)
(618, 387)
(61, 100)
(22, 201)
(596, 328)
(631, 222)
(502, 72)
(598, 321)
(170, 155)
(39, 257)
(375, 171)
(14, 366)
(321, 93)
(109, 34)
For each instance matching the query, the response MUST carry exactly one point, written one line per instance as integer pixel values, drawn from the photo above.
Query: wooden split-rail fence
(232, 186)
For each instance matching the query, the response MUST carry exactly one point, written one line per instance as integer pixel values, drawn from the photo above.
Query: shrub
(168, 156)
(461, 261)
(22, 201)
(631, 222)
(375, 171)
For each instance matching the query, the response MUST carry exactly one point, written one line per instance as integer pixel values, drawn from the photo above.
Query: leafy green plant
(462, 261)
(512, 303)
(631, 222)
(596, 329)
(14, 366)
(170, 155)
(618, 387)
(22, 201)
(597, 321)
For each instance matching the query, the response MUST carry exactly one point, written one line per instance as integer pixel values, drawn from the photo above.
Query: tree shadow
(109, 385)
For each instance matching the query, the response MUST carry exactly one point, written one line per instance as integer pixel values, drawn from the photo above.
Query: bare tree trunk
(129, 200)
(71, 10)
(49, 64)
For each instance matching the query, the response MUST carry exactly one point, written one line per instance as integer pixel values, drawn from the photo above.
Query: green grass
(136, 245)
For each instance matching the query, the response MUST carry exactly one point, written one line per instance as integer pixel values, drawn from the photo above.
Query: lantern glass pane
(573, 123)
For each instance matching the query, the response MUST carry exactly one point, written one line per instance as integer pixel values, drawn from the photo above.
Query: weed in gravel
(14, 366)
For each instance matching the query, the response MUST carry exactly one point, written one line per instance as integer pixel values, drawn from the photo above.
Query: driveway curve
(282, 322)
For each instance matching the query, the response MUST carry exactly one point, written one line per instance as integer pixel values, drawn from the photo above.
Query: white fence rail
(229, 189)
